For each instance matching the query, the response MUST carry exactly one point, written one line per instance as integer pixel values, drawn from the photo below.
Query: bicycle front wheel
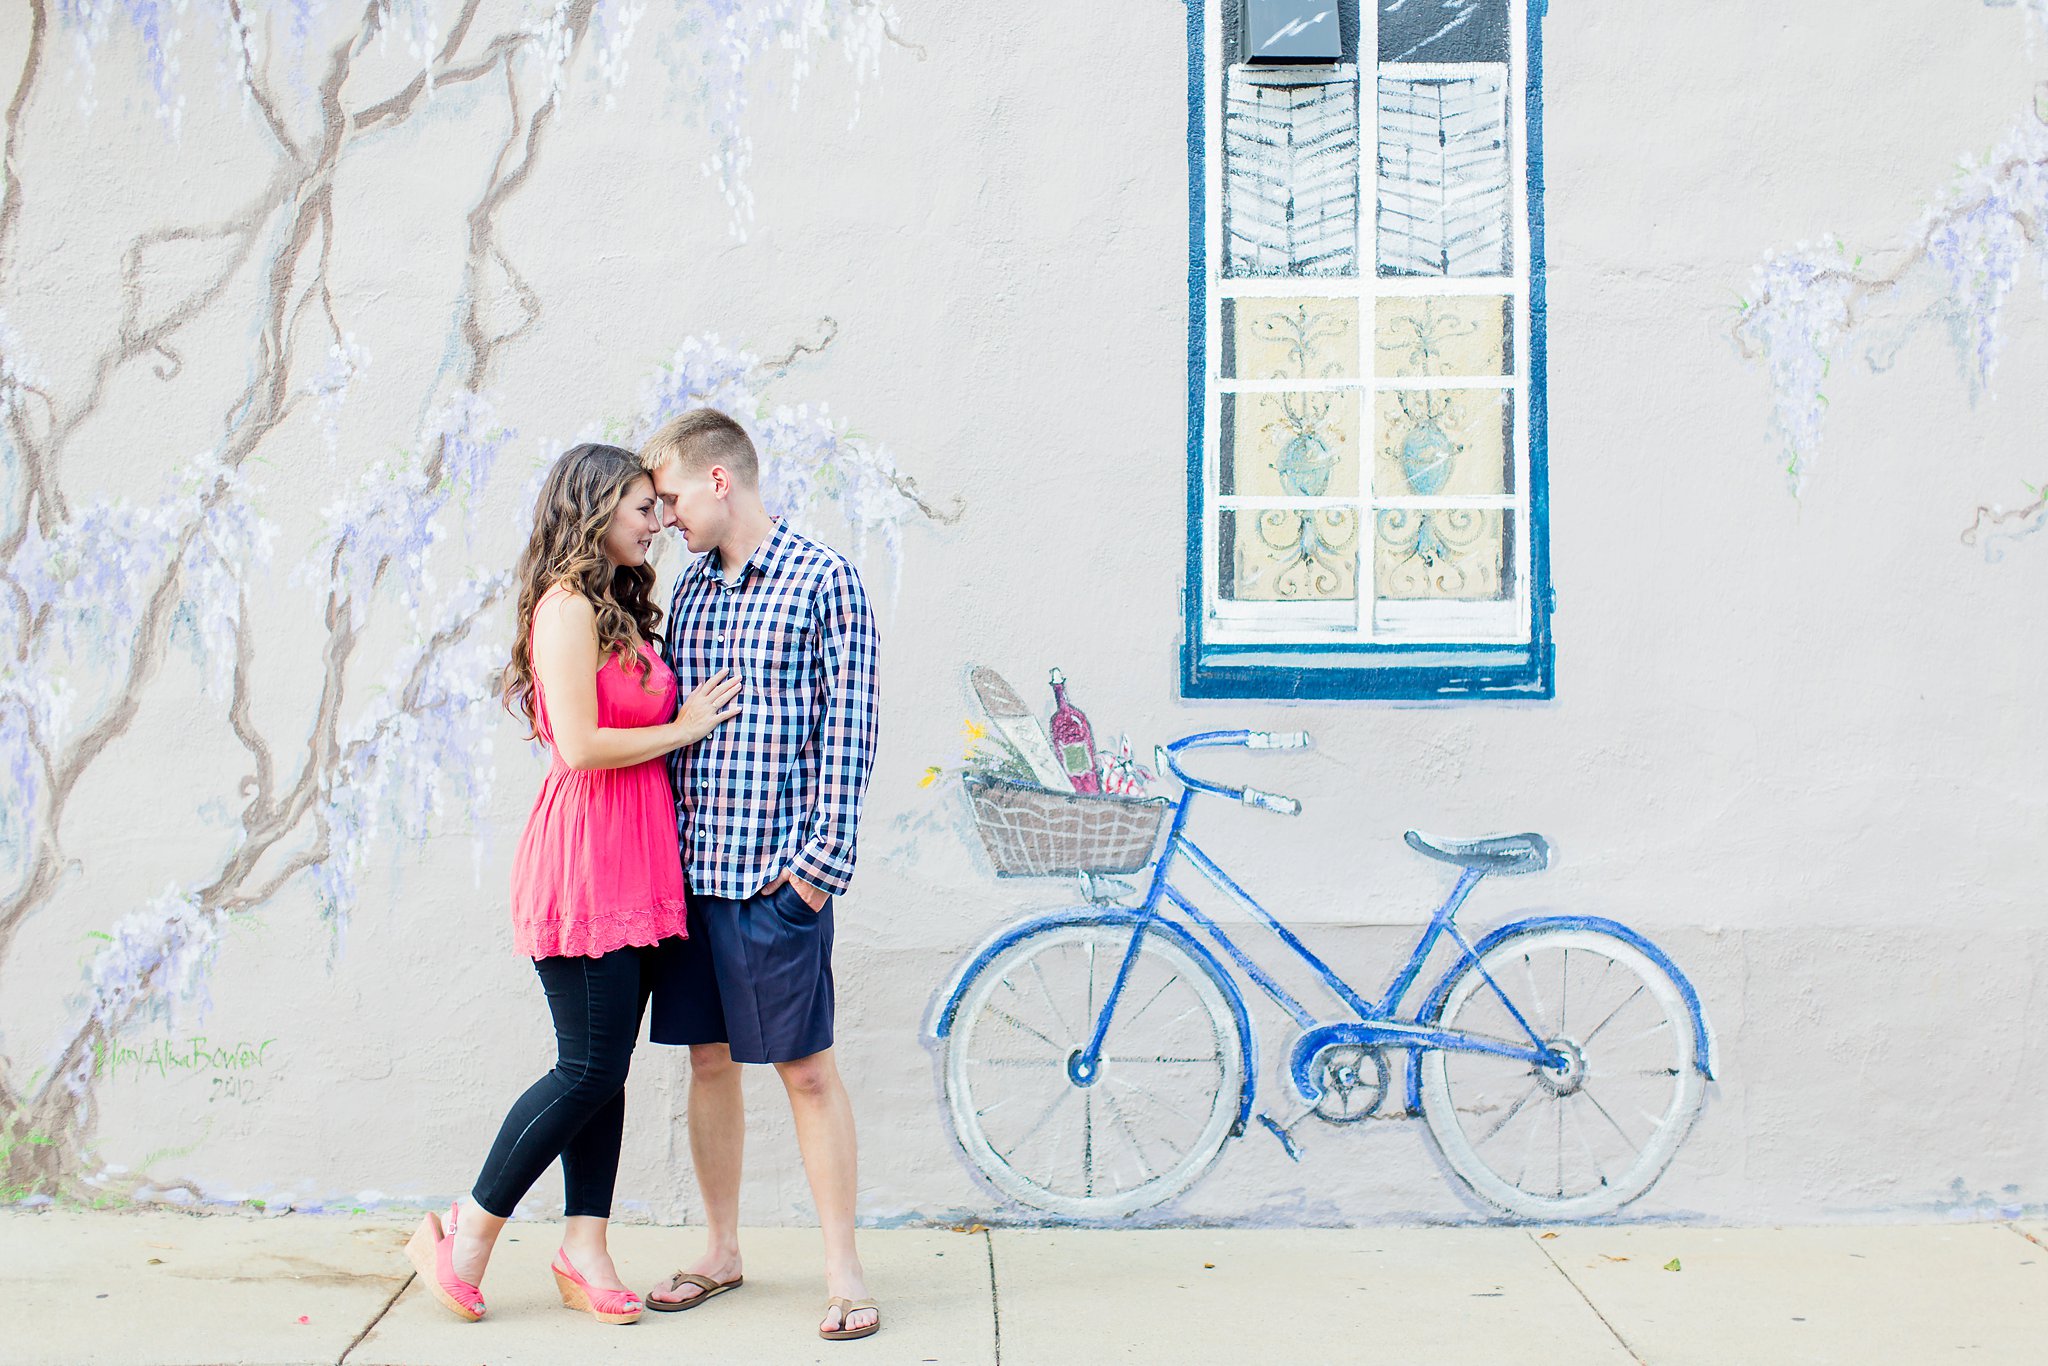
(1160, 1105)
(1584, 1140)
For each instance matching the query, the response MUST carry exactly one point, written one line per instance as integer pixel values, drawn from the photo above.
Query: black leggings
(578, 1111)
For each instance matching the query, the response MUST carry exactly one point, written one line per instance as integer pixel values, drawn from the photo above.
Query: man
(767, 807)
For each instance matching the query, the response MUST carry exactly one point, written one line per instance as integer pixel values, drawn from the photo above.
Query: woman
(597, 880)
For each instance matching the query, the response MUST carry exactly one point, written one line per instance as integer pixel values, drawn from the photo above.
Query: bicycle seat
(1506, 855)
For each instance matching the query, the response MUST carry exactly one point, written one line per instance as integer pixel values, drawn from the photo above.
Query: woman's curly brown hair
(582, 492)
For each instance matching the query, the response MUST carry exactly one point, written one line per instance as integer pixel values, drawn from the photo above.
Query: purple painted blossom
(1799, 323)
(470, 439)
(1972, 241)
(154, 961)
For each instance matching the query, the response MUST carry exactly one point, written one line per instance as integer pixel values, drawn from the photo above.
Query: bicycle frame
(1377, 1024)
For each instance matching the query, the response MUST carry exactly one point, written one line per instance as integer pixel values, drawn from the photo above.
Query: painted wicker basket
(1033, 831)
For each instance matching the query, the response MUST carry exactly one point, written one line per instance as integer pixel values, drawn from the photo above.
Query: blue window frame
(1368, 496)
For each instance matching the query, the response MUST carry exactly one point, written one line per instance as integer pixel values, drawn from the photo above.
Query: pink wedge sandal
(432, 1253)
(606, 1306)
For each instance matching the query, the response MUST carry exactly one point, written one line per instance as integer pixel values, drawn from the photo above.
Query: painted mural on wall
(104, 598)
(1095, 1060)
(1814, 305)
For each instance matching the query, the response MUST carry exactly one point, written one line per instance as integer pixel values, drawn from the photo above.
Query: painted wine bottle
(1073, 738)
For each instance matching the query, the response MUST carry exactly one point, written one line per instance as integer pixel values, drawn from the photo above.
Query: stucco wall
(1795, 740)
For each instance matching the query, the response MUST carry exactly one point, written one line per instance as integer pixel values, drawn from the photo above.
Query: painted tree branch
(187, 562)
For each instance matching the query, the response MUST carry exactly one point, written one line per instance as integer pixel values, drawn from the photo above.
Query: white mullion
(1368, 309)
(1327, 384)
(1288, 286)
(1518, 175)
(1462, 286)
(1299, 385)
(1211, 530)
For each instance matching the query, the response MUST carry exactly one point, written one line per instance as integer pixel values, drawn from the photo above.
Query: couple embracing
(684, 853)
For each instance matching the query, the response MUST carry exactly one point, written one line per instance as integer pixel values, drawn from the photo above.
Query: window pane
(1289, 555)
(1301, 445)
(1290, 172)
(1452, 554)
(1290, 338)
(1467, 337)
(1443, 30)
(1443, 174)
(1442, 442)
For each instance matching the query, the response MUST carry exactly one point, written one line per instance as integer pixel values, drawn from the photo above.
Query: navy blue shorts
(754, 974)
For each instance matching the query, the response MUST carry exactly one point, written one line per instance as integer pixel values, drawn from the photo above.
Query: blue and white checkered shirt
(777, 788)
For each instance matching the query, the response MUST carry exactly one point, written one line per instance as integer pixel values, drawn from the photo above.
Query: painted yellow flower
(931, 775)
(972, 730)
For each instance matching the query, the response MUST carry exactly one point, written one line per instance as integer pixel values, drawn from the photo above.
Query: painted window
(1367, 507)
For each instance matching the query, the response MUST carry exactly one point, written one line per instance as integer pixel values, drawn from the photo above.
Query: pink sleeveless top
(598, 867)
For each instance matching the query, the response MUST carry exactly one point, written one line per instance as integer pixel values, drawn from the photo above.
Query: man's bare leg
(718, 1134)
(824, 1131)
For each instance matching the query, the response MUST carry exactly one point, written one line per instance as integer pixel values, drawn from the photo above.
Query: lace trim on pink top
(593, 935)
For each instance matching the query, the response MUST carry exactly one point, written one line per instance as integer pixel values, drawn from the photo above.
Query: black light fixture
(1283, 32)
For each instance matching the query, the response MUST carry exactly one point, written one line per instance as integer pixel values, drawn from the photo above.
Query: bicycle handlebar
(1237, 739)
(1270, 801)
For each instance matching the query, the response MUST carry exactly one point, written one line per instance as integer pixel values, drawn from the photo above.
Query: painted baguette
(1023, 730)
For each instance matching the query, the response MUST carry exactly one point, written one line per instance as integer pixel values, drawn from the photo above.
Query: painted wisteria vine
(100, 595)
(1814, 305)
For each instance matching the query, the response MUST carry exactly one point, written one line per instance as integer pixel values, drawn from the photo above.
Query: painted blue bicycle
(1095, 1060)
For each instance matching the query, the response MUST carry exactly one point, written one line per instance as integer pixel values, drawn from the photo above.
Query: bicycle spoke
(1612, 1013)
(1663, 1022)
(1090, 1017)
(1528, 1148)
(1635, 1146)
(1137, 1014)
(1039, 1064)
(1088, 1131)
(1560, 1151)
(1046, 991)
(1539, 1016)
(1564, 993)
(1161, 1059)
(1016, 1023)
(1057, 1101)
(1145, 1169)
(1156, 1099)
(1564, 1112)
(1513, 1110)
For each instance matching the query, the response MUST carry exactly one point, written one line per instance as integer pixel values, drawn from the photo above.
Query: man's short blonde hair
(701, 438)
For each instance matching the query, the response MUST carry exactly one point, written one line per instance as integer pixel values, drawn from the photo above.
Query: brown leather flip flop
(847, 1309)
(704, 1284)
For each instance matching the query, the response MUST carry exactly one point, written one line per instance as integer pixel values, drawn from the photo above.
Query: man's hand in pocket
(814, 897)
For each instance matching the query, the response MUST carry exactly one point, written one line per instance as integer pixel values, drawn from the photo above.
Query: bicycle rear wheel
(1586, 1140)
(1160, 1106)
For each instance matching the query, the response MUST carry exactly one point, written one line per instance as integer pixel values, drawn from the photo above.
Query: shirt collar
(767, 556)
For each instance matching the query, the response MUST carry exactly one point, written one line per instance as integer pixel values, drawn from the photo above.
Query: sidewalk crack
(371, 1325)
(995, 1299)
(1558, 1267)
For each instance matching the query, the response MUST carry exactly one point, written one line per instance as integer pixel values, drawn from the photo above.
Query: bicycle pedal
(1287, 1143)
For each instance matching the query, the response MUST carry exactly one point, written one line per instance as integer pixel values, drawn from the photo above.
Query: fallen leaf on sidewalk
(304, 1319)
(968, 1228)
(1550, 1235)
(1672, 1265)
(156, 1261)
(1605, 1258)
(1208, 1266)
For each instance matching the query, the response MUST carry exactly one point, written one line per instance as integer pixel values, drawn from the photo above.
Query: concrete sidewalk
(170, 1288)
